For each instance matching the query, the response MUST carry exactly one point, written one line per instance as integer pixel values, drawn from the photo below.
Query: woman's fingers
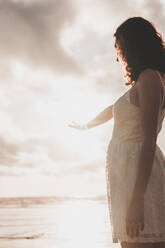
(141, 226)
(74, 124)
(78, 126)
(130, 231)
(127, 228)
(137, 230)
(133, 229)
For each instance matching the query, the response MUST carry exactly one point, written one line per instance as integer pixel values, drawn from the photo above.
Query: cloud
(43, 157)
(31, 31)
(152, 9)
(8, 152)
(31, 117)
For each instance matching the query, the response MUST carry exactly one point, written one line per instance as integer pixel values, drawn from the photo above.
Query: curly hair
(140, 46)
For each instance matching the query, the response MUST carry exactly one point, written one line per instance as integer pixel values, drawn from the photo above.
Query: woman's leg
(142, 245)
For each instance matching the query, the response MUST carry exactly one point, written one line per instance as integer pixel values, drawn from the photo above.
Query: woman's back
(132, 96)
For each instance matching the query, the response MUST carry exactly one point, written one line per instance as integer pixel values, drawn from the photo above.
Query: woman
(135, 165)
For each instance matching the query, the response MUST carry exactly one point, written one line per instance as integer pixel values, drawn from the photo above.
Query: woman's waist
(122, 137)
(127, 144)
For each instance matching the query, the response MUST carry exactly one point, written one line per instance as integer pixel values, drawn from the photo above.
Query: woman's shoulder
(150, 78)
(148, 72)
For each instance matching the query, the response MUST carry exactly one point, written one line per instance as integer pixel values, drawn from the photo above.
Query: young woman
(135, 164)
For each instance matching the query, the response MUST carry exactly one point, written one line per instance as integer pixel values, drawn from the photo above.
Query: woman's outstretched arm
(101, 118)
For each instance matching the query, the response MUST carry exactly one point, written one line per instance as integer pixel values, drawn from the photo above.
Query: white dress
(122, 157)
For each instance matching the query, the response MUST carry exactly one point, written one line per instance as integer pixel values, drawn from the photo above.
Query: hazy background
(58, 64)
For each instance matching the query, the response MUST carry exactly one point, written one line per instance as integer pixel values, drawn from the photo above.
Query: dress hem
(140, 240)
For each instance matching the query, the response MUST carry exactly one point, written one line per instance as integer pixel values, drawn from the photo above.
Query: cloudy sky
(58, 64)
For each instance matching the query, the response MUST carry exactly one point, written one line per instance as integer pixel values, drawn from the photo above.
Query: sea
(55, 222)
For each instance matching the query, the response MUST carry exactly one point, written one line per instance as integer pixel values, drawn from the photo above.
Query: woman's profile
(135, 164)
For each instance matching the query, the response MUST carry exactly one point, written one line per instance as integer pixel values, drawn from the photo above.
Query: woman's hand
(78, 126)
(135, 217)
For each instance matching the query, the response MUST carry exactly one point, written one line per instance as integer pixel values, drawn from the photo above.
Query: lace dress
(122, 157)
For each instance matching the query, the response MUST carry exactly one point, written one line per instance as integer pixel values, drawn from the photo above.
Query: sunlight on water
(62, 224)
(80, 219)
(85, 224)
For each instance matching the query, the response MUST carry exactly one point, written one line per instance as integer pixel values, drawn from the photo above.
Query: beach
(62, 222)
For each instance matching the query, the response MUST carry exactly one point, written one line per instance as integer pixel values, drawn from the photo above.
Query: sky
(58, 65)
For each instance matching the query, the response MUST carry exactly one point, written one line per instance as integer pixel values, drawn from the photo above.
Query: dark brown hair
(140, 46)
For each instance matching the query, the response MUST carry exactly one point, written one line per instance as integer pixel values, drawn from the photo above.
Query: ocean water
(54, 222)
